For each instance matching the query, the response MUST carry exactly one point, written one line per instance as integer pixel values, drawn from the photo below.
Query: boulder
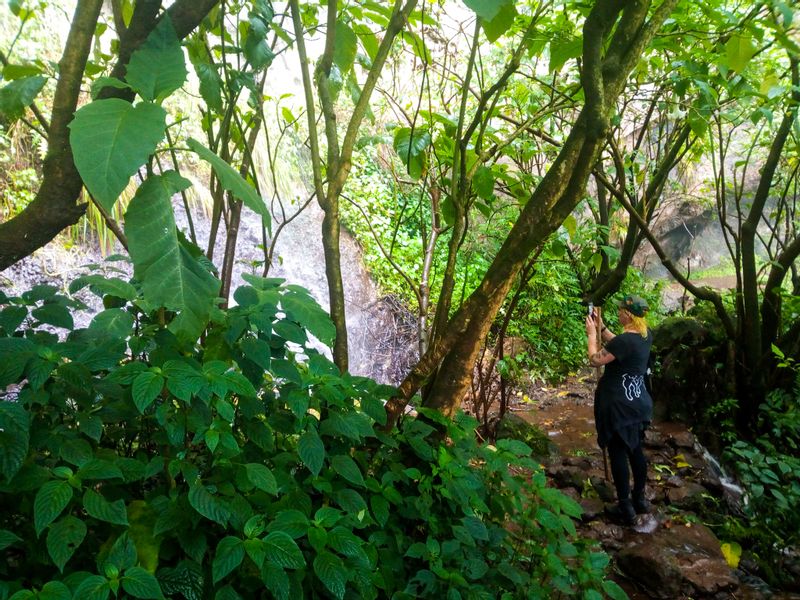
(677, 561)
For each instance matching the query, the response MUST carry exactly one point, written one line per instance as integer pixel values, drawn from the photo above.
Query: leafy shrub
(770, 475)
(137, 463)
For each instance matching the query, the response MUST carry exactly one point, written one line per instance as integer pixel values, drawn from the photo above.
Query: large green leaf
(739, 50)
(110, 140)
(261, 477)
(232, 181)
(301, 307)
(344, 47)
(64, 538)
(170, 276)
(104, 285)
(280, 549)
(94, 587)
(332, 572)
(157, 68)
(141, 584)
(54, 590)
(208, 505)
(411, 149)
(7, 539)
(14, 437)
(256, 46)
(487, 9)
(347, 468)
(18, 95)
(229, 555)
(146, 387)
(311, 451)
(98, 507)
(51, 499)
(562, 49)
(501, 22)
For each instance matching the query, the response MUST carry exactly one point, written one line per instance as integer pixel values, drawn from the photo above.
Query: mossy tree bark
(55, 206)
(616, 33)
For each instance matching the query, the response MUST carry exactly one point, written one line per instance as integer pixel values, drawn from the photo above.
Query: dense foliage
(138, 463)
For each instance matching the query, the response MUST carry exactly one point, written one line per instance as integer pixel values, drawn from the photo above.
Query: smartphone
(591, 309)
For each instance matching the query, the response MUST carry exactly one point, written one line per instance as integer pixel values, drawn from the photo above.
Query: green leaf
(368, 39)
(562, 49)
(503, 20)
(210, 85)
(157, 68)
(302, 308)
(208, 505)
(732, 552)
(51, 499)
(350, 500)
(291, 522)
(7, 538)
(232, 181)
(57, 315)
(170, 276)
(411, 149)
(228, 556)
(483, 182)
(345, 47)
(99, 469)
(14, 435)
(104, 285)
(12, 317)
(332, 573)
(256, 46)
(311, 451)
(347, 468)
(146, 388)
(738, 51)
(54, 590)
(110, 140)
(99, 84)
(64, 538)
(613, 590)
(98, 507)
(123, 553)
(486, 9)
(94, 587)
(380, 509)
(114, 323)
(261, 477)
(141, 584)
(280, 549)
(16, 96)
(11, 72)
(276, 580)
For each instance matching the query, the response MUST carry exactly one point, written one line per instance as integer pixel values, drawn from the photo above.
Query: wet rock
(565, 477)
(592, 508)
(604, 489)
(688, 496)
(582, 462)
(654, 439)
(678, 561)
(608, 534)
(682, 439)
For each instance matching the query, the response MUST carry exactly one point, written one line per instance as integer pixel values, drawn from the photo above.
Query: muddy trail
(669, 553)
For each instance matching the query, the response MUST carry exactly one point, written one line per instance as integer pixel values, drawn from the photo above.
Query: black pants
(620, 455)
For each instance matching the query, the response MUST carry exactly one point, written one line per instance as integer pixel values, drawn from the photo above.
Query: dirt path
(668, 553)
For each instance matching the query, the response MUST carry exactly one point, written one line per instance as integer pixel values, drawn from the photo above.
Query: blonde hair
(637, 323)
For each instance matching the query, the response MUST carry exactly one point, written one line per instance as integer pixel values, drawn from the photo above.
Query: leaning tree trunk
(54, 208)
(555, 197)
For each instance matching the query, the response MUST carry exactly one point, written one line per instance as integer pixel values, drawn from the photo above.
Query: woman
(622, 406)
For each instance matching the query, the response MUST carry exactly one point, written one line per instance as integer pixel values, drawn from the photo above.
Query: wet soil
(566, 413)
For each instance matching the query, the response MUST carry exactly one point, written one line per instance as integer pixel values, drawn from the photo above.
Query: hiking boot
(640, 504)
(623, 512)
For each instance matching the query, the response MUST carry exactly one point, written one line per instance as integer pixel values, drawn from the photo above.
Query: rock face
(676, 561)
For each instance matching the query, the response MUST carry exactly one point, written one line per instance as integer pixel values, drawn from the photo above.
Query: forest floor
(669, 553)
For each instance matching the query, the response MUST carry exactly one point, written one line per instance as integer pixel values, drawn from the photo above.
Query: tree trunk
(554, 198)
(54, 208)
